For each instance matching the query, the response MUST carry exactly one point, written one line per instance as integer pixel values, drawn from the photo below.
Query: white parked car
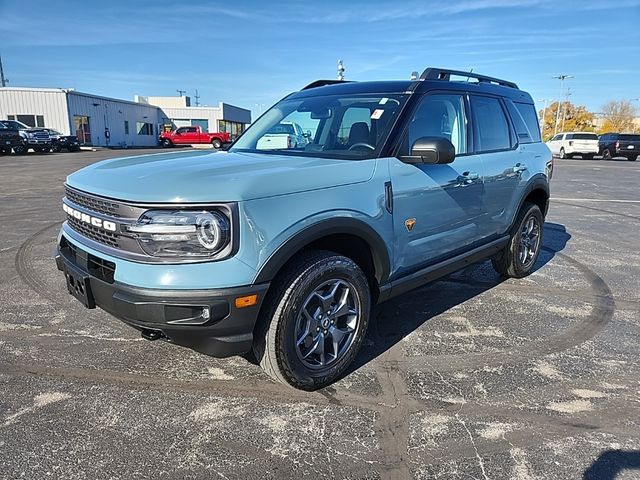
(282, 136)
(566, 145)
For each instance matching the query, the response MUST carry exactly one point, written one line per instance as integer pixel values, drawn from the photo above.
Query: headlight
(183, 233)
(30, 134)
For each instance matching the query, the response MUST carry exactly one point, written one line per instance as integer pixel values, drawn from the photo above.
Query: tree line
(617, 117)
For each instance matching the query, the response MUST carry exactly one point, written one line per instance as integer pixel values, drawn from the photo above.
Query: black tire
(509, 262)
(216, 143)
(606, 154)
(632, 158)
(20, 150)
(38, 149)
(562, 154)
(56, 149)
(166, 143)
(275, 343)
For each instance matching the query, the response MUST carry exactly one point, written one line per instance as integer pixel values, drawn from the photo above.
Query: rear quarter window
(530, 117)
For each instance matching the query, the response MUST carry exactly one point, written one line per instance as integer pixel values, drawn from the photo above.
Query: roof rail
(322, 83)
(445, 74)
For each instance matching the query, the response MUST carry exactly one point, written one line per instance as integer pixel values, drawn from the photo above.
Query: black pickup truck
(619, 145)
(9, 138)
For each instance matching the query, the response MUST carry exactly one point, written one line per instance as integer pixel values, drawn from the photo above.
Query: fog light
(205, 313)
(246, 301)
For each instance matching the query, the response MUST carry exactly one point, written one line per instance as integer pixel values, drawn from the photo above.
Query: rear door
(504, 161)
(437, 208)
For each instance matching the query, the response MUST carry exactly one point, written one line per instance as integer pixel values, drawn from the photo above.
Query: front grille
(92, 203)
(96, 234)
(96, 266)
(40, 135)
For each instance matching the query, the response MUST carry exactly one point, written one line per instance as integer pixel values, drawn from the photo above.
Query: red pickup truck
(191, 135)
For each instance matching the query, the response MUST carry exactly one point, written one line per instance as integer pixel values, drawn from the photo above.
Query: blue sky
(254, 52)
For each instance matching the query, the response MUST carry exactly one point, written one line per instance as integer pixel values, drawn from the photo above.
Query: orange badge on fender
(409, 223)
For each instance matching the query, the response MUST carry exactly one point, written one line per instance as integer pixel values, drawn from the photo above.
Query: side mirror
(431, 150)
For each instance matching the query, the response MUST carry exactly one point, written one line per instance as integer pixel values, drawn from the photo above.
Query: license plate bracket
(79, 285)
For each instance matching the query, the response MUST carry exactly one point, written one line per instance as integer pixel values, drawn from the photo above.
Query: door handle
(519, 168)
(467, 178)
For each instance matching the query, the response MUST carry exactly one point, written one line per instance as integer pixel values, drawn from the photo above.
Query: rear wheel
(519, 256)
(216, 143)
(606, 154)
(313, 322)
(562, 154)
(632, 158)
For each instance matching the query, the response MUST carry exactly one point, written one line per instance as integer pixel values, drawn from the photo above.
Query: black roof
(507, 89)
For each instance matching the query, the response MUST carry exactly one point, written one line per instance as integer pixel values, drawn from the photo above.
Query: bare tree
(618, 116)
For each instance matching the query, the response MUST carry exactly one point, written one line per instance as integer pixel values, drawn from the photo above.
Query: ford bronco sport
(285, 251)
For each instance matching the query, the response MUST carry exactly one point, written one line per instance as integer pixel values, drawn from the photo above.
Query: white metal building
(103, 121)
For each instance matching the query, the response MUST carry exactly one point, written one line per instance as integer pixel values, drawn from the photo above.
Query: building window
(126, 127)
(83, 129)
(234, 128)
(144, 128)
(203, 124)
(30, 120)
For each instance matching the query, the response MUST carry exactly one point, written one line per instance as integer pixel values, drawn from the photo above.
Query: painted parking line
(593, 200)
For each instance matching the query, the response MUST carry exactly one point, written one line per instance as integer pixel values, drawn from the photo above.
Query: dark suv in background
(619, 145)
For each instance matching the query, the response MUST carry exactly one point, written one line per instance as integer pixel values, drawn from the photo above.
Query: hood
(200, 177)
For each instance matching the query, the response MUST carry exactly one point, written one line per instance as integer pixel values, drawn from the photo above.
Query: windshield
(15, 124)
(630, 137)
(583, 136)
(334, 126)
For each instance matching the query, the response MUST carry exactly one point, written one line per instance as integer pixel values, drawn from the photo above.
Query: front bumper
(38, 143)
(173, 315)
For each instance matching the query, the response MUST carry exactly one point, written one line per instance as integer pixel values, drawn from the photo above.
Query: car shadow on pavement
(393, 320)
(612, 462)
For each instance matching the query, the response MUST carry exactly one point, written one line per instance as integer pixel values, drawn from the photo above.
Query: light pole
(341, 70)
(562, 78)
(259, 106)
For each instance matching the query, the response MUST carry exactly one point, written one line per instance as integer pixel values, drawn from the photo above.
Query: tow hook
(152, 335)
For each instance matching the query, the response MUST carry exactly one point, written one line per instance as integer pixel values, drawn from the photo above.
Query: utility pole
(3, 81)
(562, 78)
(181, 92)
(340, 70)
(197, 97)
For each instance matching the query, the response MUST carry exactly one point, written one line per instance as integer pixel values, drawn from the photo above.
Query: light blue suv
(285, 251)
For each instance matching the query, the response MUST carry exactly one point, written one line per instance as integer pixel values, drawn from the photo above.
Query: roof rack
(322, 83)
(445, 74)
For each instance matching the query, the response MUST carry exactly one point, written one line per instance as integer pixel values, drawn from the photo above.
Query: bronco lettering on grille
(83, 217)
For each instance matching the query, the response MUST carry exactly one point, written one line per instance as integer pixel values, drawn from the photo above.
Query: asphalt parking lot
(469, 377)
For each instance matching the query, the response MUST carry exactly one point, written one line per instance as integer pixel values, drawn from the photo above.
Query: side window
(181, 130)
(491, 130)
(438, 115)
(518, 122)
(569, 136)
(530, 117)
(192, 130)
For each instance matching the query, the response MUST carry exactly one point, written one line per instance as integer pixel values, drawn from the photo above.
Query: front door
(437, 208)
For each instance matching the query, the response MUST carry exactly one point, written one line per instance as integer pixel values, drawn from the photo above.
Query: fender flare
(538, 182)
(324, 228)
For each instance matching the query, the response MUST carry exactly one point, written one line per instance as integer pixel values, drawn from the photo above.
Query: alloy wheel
(529, 242)
(327, 324)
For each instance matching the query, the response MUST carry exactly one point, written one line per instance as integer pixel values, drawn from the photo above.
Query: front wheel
(166, 143)
(313, 323)
(562, 154)
(520, 255)
(216, 143)
(20, 149)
